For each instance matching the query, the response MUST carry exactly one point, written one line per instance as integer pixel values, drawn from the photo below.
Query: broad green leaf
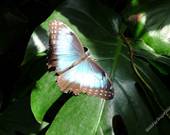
(37, 45)
(137, 107)
(152, 25)
(161, 63)
(81, 115)
(43, 95)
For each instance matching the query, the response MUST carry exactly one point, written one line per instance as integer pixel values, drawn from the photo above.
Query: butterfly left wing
(86, 77)
(64, 47)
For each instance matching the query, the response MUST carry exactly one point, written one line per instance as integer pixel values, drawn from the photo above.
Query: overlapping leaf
(136, 107)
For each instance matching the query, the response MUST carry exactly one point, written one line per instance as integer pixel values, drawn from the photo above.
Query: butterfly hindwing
(86, 77)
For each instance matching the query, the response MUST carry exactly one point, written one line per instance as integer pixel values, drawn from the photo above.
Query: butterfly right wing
(65, 47)
(86, 77)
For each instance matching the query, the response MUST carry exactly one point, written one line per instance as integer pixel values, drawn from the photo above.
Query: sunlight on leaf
(90, 115)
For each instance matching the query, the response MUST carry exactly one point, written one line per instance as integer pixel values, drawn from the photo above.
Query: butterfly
(76, 71)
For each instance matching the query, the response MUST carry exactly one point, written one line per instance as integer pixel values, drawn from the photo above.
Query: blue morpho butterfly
(77, 72)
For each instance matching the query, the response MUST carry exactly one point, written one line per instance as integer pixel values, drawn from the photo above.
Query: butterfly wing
(65, 47)
(86, 77)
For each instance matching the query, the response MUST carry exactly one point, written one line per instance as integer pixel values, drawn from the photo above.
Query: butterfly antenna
(101, 59)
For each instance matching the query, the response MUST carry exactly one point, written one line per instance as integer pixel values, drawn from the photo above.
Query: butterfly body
(76, 71)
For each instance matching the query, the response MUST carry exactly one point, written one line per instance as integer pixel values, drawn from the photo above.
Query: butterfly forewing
(65, 47)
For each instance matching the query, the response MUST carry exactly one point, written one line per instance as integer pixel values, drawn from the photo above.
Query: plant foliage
(132, 37)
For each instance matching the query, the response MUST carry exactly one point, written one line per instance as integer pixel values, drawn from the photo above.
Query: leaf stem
(136, 70)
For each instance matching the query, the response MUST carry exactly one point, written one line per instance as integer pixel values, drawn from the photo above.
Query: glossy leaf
(81, 114)
(44, 95)
(152, 25)
(134, 107)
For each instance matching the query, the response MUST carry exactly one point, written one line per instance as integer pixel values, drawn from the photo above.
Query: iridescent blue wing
(65, 48)
(86, 77)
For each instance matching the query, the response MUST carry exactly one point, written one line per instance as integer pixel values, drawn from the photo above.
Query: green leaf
(152, 25)
(138, 103)
(81, 114)
(159, 62)
(37, 45)
(44, 94)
